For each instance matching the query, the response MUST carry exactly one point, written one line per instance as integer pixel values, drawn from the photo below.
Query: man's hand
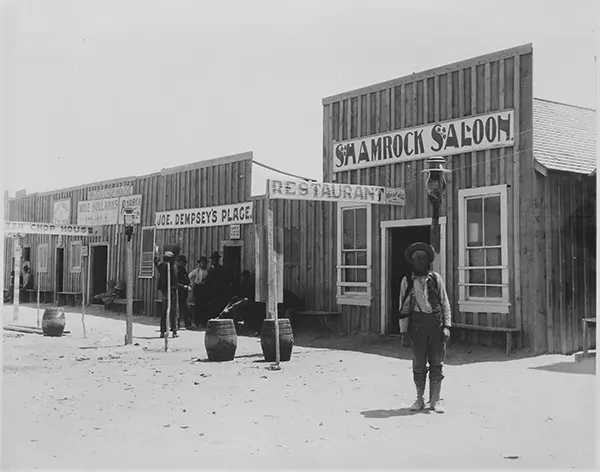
(405, 339)
(446, 334)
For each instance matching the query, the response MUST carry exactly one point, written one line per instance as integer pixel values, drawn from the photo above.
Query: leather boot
(419, 403)
(435, 387)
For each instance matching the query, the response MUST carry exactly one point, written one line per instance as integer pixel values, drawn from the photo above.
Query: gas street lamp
(436, 185)
(128, 221)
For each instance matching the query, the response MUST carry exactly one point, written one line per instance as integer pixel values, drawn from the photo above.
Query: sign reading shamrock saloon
(475, 133)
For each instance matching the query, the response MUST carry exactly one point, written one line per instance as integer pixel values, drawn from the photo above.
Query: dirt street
(76, 403)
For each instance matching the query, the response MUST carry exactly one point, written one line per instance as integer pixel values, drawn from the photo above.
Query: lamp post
(128, 223)
(436, 185)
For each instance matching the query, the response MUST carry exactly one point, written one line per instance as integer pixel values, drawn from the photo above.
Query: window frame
(141, 273)
(483, 305)
(42, 269)
(358, 298)
(74, 264)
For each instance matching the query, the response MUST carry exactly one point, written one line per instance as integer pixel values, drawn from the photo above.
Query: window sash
(466, 247)
(75, 256)
(42, 258)
(347, 290)
(146, 268)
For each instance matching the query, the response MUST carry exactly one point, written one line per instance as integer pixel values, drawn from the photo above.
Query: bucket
(53, 321)
(220, 340)
(286, 340)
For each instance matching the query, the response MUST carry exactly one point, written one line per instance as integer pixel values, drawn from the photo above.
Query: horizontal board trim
(481, 307)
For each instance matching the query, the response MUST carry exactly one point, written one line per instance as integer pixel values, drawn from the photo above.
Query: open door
(99, 270)
(60, 270)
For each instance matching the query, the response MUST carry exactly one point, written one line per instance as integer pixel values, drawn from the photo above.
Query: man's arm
(445, 302)
(403, 321)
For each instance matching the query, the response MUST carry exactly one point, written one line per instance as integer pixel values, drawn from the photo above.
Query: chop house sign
(475, 133)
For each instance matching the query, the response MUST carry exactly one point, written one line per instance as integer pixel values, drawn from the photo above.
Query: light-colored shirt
(198, 276)
(418, 300)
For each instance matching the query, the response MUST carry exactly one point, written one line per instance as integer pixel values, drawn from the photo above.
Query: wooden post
(129, 293)
(168, 314)
(38, 295)
(17, 269)
(272, 278)
(83, 294)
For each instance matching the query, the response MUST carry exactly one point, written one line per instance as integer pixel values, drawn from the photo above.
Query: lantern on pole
(436, 185)
(128, 221)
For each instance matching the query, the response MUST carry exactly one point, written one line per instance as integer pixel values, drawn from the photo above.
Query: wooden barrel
(286, 340)
(220, 340)
(53, 321)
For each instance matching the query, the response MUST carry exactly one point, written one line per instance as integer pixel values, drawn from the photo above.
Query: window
(75, 257)
(483, 250)
(147, 251)
(354, 255)
(42, 258)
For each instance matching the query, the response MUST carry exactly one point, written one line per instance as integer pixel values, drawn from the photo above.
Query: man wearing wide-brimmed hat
(425, 321)
(216, 285)
(198, 280)
(183, 290)
(168, 258)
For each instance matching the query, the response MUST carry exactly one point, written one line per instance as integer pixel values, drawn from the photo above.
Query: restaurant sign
(240, 213)
(17, 228)
(331, 192)
(108, 211)
(475, 133)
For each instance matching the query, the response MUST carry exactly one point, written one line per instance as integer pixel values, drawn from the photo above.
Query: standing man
(216, 285)
(425, 321)
(168, 258)
(198, 281)
(183, 289)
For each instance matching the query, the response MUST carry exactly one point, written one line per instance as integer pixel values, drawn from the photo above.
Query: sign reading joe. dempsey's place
(475, 133)
(240, 213)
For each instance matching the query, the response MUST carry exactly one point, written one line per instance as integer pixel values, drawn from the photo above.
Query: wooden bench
(46, 296)
(319, 315)
(509, 332)
(68, 298)
(586, 323)
(121, 305)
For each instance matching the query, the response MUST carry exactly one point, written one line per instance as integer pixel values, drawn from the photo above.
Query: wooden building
(517, 227)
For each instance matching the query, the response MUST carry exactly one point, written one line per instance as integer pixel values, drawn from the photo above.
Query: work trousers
(427, 339)
(173, 314)
(184, 309)
(200, 305)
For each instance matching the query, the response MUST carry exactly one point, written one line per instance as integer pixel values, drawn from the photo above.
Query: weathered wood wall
(495, 82)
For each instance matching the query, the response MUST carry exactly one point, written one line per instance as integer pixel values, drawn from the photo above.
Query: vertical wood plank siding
(459, 90)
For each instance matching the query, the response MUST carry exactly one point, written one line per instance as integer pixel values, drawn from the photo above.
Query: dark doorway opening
(401, 238)
(60, 269)
(99, 272)
(232, 263)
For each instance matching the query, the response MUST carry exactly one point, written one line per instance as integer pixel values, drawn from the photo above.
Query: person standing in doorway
(162, 267)
(198, 281)
(216, 285)
(183, 290)
(425, 321)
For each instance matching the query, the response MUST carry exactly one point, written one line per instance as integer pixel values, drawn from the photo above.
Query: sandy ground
(76, 403)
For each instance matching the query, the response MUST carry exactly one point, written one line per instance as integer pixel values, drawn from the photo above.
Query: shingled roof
(564, 137)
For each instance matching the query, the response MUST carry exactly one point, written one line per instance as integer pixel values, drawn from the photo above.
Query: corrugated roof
(564, 136)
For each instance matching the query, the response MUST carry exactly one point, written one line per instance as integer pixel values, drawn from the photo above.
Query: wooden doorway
(98, 269)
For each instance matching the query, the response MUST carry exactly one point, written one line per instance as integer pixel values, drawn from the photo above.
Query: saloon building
(518, 224)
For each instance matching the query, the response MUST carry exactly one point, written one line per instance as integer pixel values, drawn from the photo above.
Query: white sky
(99, 89)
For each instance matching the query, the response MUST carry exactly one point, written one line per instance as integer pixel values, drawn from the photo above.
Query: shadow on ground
(383, 414)
(586, 366)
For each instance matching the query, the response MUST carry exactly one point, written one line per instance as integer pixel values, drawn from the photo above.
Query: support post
(83, 294)
(168, 314)
(129, 293)
(38, 296)
(272, 277)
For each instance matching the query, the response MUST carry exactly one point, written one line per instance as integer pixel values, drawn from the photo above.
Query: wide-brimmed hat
(183, 258)
(202, 259)
(169, 254)
(410, 250)
(215, 255)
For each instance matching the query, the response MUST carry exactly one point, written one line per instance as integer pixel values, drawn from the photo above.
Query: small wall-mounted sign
(84, 251)
(235, 232)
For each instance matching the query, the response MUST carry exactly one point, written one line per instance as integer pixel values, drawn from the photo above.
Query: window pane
(494, 292)
(478, 292)
(349, 258)
(494, 276)
(361, 258)
(492, 221)
(476, 258)
(493, 257)
(147, 240)
(361, 228)
(353, 290)
(474, 222)
(477, 276)
(348, 224)
(350, 275)
(361, 275)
